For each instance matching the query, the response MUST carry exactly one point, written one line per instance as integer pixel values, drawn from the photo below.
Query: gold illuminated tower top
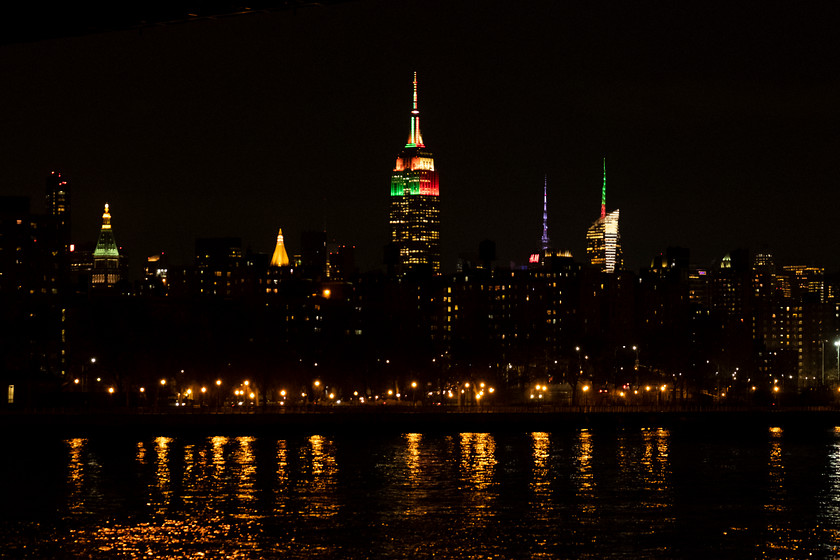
(106, 218)
(280, 256)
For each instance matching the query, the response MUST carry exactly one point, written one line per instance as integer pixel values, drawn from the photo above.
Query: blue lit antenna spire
(545, 241)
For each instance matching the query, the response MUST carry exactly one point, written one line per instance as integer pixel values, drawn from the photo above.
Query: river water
(579, 493)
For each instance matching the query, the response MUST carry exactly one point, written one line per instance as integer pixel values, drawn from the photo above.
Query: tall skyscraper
(415, 203)
(106, 257)
(603, 242)
(58, 206)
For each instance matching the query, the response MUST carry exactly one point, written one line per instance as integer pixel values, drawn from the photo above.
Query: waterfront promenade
(382, 419)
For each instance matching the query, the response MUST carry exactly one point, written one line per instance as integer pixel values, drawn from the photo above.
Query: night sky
(720, 125)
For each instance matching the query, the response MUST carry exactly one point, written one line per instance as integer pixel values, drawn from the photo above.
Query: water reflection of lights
(162, 475)
(413, 457)
(539, 474)
(247, 469)
(655, 459)
(778, 525)
(585, 474)
(141, 453)
(775, 472)
(76, 474)
(281, 495)
(478, 459)
(324, 471)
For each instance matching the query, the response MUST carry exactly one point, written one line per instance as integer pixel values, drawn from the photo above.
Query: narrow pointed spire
(545, 241)
(414, 137)
(604, 192)
(280, 256)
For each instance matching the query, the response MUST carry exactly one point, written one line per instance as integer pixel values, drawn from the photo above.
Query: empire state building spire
(414, 214)
(414, 137)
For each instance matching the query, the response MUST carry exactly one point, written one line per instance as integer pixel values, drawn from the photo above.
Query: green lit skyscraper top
(106, 256)
(415, 203)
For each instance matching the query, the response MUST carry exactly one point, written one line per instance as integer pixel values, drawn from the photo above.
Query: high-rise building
(220, 267)
(313, 249)
(603, 242)
(107, 269)
(415, 203)
(58, 206)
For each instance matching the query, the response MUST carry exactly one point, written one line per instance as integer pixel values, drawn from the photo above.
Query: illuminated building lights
(415, 206)
(603, 241)
(106, 256)
(280, 257)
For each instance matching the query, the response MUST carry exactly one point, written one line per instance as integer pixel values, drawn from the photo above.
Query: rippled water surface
(586, 493)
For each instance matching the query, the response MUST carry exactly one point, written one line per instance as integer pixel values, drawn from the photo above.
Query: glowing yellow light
(491, 389)
(662, 388)
(647, 388)
(317, 383)
(482, 384)
(142, 389)
(110, 389)
(332, 395)
(76, 381)
(252, 395)
(478, 397)
(585, 388)
(204, 389)
(390, 392)
(621, 394)
(163, 381)
(326, 293)
(413, 384)
(467, 384)
(218, 382)
(776, 389)
(283, 393)
(246, 383)
(355, 393)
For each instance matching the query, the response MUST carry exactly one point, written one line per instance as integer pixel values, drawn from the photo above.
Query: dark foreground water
(579, 493)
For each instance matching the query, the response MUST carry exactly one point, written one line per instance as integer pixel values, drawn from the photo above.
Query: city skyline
(719, 135)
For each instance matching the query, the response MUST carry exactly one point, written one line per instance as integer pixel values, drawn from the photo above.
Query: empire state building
(415, 203)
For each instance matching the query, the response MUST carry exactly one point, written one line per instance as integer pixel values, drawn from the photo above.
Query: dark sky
(720, 125)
